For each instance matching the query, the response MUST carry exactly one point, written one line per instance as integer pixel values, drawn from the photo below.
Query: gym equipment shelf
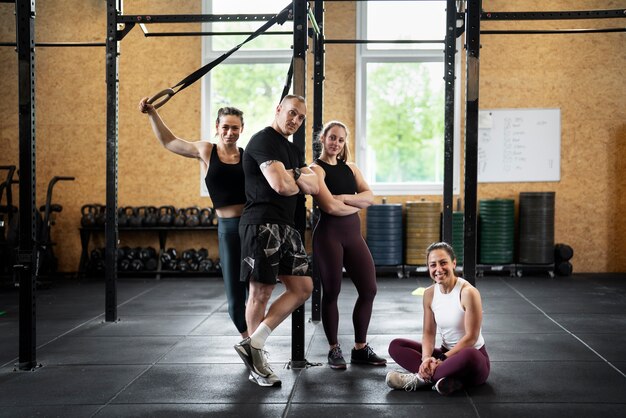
(87, 231)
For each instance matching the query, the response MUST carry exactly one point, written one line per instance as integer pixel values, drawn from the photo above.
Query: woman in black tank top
(337, 243)
(219, 160)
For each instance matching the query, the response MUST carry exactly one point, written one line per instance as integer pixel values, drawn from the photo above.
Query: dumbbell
(97, 260)
(122, 252)
(136, 265)
(182, 265)
(148, 256)
(123, 264)
(206, 265)
(189, 254)
(202, 254)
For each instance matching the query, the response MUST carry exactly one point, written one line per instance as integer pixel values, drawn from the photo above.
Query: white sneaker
(403, 380)
(270, 381)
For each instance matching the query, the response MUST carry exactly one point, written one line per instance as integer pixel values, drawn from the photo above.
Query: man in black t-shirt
(271, 248)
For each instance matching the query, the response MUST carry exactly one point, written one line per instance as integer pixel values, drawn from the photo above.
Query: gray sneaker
(403, 380)
(254, 358)
(270, 381)
(243, 349)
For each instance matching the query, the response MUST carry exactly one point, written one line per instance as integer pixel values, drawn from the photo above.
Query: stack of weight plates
(384, 234)
(423, 227)
(458, 232)
(497, 231)
(536, 227)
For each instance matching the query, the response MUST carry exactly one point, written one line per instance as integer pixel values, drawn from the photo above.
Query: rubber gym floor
(557, 349)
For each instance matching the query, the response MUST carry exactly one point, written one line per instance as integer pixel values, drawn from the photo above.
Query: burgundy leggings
(337, 243)
(469, 365)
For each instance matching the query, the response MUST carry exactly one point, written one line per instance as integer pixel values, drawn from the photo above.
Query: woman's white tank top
(450, 316)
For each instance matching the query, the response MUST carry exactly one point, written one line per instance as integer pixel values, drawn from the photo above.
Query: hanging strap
(287, 82)
(167, 94)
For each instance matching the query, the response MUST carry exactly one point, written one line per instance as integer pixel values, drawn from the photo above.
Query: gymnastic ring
(168, 93)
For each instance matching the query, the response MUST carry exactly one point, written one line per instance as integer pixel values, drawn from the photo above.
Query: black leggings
(337, 243)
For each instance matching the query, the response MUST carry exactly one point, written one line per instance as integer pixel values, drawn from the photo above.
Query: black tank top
(339, 178)
(225, 182)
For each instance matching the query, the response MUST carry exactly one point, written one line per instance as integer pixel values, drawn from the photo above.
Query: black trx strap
(287, 82)
(167, 94)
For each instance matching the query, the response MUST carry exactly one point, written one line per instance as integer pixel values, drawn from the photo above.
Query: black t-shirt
(263, 204)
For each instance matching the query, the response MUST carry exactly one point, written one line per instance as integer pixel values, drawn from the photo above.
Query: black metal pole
(299, 138)
(112, 52)
(472, 39)
(448, 161)
(25, 25)
(318, 122)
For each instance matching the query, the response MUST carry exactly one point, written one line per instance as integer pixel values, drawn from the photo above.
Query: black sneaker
(335, 358)
(367, 356)
(447, 385)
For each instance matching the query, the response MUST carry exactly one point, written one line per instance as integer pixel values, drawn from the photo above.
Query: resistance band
(167, 94)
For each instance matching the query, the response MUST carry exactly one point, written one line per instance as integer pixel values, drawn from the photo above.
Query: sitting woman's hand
(427, 369)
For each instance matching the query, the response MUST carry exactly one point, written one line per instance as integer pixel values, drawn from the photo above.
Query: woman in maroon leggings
(453, 307)
(337, 243)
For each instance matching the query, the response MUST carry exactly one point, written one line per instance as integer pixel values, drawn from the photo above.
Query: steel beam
(472, 38)
(25, 266)
(299, 138)
(448, 161)
(114, 8)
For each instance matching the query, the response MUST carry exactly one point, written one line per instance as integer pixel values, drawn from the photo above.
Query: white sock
(258, 337)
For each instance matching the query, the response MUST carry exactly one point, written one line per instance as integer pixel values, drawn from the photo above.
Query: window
(401, 97)
(251, 79)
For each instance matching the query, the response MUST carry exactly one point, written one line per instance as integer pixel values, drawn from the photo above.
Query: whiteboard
(519, 145)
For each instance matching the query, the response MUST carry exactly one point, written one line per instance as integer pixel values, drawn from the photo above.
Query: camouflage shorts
(271, 250)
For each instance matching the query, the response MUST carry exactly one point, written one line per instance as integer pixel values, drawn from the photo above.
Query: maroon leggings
(469, 365)
(337, 243)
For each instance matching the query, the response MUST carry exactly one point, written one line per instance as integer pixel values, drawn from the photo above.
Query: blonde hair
(345, 152)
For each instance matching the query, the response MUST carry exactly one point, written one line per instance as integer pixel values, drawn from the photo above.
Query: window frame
(365, 56)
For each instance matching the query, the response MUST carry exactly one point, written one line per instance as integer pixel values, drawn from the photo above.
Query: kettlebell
(122, 219)
(206, 216)
(88, 217)
(193, 216)
(135, 219)
(150, 217)
(101, 214)
(179, 219)
(166, 215)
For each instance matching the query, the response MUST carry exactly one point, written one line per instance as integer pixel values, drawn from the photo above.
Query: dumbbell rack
(87, 231)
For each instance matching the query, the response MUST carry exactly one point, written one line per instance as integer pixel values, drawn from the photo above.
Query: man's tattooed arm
(266, 164)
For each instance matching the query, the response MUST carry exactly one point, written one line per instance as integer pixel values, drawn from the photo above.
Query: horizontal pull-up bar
(383, 41)
(554, 31)
(156, 34)
(193, 18)
(564, 15)
(59, 44)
